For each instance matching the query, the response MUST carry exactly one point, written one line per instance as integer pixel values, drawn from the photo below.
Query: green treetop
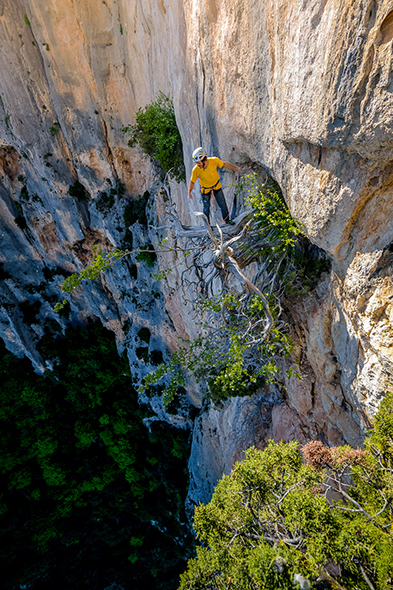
(322, 518)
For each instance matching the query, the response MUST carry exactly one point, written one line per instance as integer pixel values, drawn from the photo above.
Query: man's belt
(209, 188)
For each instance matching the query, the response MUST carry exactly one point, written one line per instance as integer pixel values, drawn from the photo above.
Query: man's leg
(206, 205)
(220, 199)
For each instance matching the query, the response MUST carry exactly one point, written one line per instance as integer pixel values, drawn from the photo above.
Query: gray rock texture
(303, 89)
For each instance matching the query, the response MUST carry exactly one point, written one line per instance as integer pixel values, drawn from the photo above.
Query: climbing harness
(208, 189)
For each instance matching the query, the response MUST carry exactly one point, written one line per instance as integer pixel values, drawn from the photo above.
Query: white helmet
(199, 154)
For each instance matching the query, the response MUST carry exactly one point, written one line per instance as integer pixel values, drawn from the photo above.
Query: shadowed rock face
(304, 89)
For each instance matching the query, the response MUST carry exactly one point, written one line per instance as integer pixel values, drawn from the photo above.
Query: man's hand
(189, 195)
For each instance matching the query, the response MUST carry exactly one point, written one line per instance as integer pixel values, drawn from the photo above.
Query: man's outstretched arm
(190, 187)
(232, 167)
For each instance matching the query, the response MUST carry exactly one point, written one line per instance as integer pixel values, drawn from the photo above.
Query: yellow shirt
(208, 177)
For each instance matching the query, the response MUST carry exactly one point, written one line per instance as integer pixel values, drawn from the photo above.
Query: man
(209, 180)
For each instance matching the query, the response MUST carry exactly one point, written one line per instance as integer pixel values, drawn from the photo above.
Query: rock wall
(304, 89)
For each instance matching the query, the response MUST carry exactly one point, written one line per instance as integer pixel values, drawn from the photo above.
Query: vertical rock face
(302, 88)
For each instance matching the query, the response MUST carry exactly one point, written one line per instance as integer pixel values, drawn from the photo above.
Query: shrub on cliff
(275, 523)
(156, 132)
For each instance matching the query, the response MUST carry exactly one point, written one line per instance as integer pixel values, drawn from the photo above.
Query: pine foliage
(319, 517)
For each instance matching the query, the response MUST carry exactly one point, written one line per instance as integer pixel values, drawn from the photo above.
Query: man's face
(201, 164)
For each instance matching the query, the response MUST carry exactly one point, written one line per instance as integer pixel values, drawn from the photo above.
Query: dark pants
(220, 200)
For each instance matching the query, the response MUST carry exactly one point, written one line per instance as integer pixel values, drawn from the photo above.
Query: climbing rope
(233, 193)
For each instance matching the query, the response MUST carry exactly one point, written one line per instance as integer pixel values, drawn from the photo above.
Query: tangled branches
(243, 330)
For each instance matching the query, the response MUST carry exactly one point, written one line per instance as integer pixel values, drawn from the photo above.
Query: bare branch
(367, 579)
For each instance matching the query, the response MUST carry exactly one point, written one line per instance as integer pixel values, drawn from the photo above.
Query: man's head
(202, 163)
(199, 156)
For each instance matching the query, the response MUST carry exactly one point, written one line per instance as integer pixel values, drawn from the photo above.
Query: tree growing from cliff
(155, 130)
(243, 331)
(321, 520)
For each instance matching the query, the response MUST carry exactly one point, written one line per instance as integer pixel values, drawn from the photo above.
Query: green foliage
(282, 242)
(27, 20)
(88, 496)
(273, 217)
(100, 263)
(55, 127)
(156, 132)
(382, 435)
(269, 522)
(63, 308)
(148, 256)
(238, 355)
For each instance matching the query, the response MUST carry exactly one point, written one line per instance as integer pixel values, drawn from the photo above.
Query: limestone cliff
(303, 89)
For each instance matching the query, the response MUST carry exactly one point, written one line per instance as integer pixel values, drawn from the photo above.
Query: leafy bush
(148, 256)
(283, 247)
(56, 126)
(156, 132)
(274, 520)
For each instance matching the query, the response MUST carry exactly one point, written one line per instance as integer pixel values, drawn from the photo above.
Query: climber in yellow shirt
(209, 180)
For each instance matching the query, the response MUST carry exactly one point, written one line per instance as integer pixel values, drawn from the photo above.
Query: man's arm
(190, 187)
(232, 167)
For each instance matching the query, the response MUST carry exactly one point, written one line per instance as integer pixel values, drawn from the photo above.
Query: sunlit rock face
(303, 89)
(306, 90)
